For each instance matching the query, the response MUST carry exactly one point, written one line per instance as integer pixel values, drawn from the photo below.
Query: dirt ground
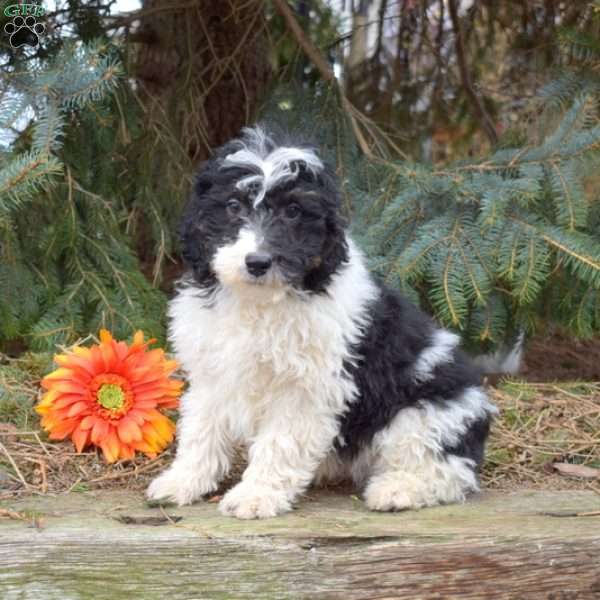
(549, 415)
(555, 357)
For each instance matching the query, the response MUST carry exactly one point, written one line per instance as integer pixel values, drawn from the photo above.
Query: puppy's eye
(292, 211)
(234, 207)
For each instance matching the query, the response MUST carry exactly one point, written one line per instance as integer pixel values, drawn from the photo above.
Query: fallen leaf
(576, 470)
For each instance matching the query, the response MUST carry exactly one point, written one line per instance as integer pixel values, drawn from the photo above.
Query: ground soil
(556, 357)
(544, 419)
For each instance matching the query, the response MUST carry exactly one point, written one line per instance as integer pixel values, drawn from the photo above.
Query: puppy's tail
(506, 360)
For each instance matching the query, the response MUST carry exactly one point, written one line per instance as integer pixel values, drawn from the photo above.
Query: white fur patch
(433, 482)
(408, 468)
(441, 350)
(271, 168)
(229, 261)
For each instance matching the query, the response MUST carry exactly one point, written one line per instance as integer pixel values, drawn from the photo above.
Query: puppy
(292, 347)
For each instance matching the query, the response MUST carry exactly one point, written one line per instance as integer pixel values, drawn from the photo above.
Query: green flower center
(111, 396)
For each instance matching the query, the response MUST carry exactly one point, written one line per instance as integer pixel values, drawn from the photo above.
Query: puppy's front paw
(247, 501)
(179, 485)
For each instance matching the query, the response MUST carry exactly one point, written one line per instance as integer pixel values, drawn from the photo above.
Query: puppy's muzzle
(258, 263)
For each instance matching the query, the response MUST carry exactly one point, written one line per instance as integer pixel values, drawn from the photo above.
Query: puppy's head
(264, 217)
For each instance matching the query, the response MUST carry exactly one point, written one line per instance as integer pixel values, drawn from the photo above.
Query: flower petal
(110, 446)
(46, 402)
(82, 352)
(67, 387)
(105, 336)
(88, 422)
(148, 449)
(70, 373)
(151, 394)
(65, 400)
(168, 402)
(97, 360)
(138, 415)
(77, 409)
(99, 430)
(159, 431)
(126, 452)
(72, 360)
(129, 431)
(61, 373)
(80, 438)
(122, 350)
(109, 357)
(63, 429)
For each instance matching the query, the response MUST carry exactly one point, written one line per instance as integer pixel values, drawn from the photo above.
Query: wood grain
(497, 546)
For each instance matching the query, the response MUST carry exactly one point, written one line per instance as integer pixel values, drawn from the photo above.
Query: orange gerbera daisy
(109, 395)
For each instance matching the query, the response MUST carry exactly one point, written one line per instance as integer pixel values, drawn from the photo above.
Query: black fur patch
(473, 442)
(384, 371)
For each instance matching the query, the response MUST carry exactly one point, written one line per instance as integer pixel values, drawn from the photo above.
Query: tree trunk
(357, 61)
(202, 67)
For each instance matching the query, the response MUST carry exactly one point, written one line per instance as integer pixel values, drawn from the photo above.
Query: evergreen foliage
(66, 265)
(91, 189)
(488, 246)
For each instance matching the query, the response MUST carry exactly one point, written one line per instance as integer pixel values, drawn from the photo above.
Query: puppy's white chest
(257, 345)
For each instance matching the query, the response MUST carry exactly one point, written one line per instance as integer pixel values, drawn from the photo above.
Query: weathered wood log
(107, 545)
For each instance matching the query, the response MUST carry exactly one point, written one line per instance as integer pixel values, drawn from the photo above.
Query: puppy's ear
(333, 255)
(192, 239)
(335, 249)
(205, 178)
(202, 183)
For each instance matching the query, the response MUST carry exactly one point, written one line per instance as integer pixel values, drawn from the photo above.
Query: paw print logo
(24, 32)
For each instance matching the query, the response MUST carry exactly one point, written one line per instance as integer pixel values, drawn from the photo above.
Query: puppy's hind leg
(428, 456)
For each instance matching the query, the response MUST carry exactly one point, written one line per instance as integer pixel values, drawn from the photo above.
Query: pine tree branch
(322, 66)
(446, 274)
(307, 46)
(480, 112)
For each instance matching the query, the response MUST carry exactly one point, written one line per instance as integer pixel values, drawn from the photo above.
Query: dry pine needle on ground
(540, 425)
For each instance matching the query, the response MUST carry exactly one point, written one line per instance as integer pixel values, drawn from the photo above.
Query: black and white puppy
(293, 348)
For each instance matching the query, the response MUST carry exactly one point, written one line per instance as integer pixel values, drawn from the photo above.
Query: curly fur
(319, 369)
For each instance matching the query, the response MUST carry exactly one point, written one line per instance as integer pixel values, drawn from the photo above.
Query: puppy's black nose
(258, 263)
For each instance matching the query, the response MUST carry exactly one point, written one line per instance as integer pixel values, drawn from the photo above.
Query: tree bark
(104, 545)
(202, 67)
